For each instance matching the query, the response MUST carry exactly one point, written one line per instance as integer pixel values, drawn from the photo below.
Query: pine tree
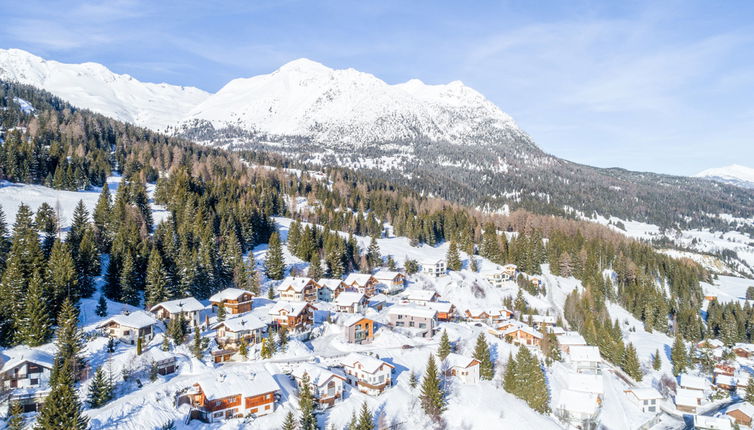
(749, 396)
(70, 342)
(243, 349)
(453, 257)
(679, 356)
(15, 419)
(128, 293)
(101, 310)
(374, 258)
(274, 263)
(510, 375)
(365, 420)
(197, 349)
(157, 279)
(630, 363)
(656, 360)
(221, 314)
(432, 395)
(482, 353)
(306, 404)
(445, 347)
(62, 408)
(87, 263)
(100, 389)
(315, 267)
(413, 380)
(35, 327)
(79, 224)
(101, 216)
(62, 277)
(290, 422)
(266, 351)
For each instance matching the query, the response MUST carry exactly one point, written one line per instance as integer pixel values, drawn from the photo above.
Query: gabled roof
(524, 328)
(745, 408)
(228, 294)
(369, 364)
(188, 304)
(578, 402)
(359, 279)
(476, 312)
(586, 383)
(16, 356)
(386, 275)
(431, 262)
(415, 311)
(241, 323)
(694, 382)
(355, 319)
(421, 295)
(440, 306)
(571, 339)
(293, 308)
(712, 423)
(379, 298)
(458, 360)
(349, 298)
(136, 319)
(584, 353)
(331, 284)
(319, 376)
(725, 380)
(647, 393)
(296, 283)
(219, 385)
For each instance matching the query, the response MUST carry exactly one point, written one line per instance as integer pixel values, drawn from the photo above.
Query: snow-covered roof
(354, 319)
(586, 383)
(415, 311)
(219, 385)
(578, 402)
(645, 393)
(135, 319)
(379, 298)
(293, 308)
(510, 266)
(360, 279)
(331, 284)
(228, 294)
(476, 312)
(296, 283)
(242, 323)
(458, 360)
(319, 376)
(745, 346)
(21, 354)
(421, 295)
(746, 408)
(712, 423)
(571, 339)
(188, 304)
(547, 319)
(348, 298)
(522, 327)
(711, 343)
(431, 262)
(440, 306)
(694, 382)
(386, 275)
(584, 353)
(368, 364)
(724, 380)
(686, 397)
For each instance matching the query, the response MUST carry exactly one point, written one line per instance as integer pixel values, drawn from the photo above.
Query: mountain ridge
(734, 174)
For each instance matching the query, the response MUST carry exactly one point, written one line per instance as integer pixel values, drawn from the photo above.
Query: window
(422, 325)
(410, 323)
(267, 407)
(34, 381)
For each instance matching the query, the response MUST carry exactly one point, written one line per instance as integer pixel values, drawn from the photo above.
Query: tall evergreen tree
(445, 348)
(482, 353)
(306, 404)
(274, 264)
(62, 408)
(656, 360)
(127, 282)
(100, 389)
(679, 356)
(630, 363)
(453, 257)
(374, 258)
(197, 349)
(87, 263)
(15, 419)
(69, 340)
(365, 420)
(101, 310)
(102, 216)
(35, 326)
(290, 422)
(157, 279)
(79, 224)
(62, 276)
(432, 395)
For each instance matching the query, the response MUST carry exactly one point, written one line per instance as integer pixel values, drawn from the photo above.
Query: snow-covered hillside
(93, 86)
(734, 174)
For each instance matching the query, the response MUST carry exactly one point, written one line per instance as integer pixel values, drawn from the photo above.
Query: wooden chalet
(362, 282)
(298, 289)
(234, 300)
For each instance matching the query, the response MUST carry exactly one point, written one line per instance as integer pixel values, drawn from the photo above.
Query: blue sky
(661, 86)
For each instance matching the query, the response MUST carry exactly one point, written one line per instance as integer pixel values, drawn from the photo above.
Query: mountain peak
(734, 174)
(304, 65)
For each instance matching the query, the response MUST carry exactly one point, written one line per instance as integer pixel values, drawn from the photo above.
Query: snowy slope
(734, 174)
(93, 86)
(305, 98)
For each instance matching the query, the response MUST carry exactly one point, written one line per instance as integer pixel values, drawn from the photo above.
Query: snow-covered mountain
(306, 99)
(734, 174)
(93, 86)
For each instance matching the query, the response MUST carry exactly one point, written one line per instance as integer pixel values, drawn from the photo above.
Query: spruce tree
(62, 276)
(374, 258)
(306, 404)
(101, 310)
(157, 279)
(79, 224)
(656, 360)
(749, 396)
(315, 267)
(70, 342)
(453, 257)
(197, 349)
(482, 353)
(139, 345)
(100, 389)
(445, 347)
(128, 293)
(274, 263)
(61, 408)
(510, 376)
(290, 422)
(432, 395)
(15, 419)
(365, 420)
(35, 326)
(630, 363)
(102, 215)
(243, 349)
(87, 263)
(413, 380)
(679, 356)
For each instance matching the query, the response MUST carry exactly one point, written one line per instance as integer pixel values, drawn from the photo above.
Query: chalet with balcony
(233, 330)
(351, 302)
(220, 397)
(292, 315)
(390, 282)
(234, 300)
(329, 289)
(326, 386)
(465, 369)
(364, 283)
(297, 289)
(189, 307)
(368, 374)
(23, 367)
(128, 328)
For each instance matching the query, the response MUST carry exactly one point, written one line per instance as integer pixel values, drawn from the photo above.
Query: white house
(326, 386)
(693, 382)
(245, 326)
(23, 367)
(130, 327)
(351, 302)
(329, 289)
(496, 277)
(421, 297)
(368, 374)
(298, 289)
(419, 320)
(703, 422)
(578, 407)
(584, 358)
(687, 400)
(434, 268)
(390, 281)
(567, 340)
(647, 399)
(465, 369)
(189, 307)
